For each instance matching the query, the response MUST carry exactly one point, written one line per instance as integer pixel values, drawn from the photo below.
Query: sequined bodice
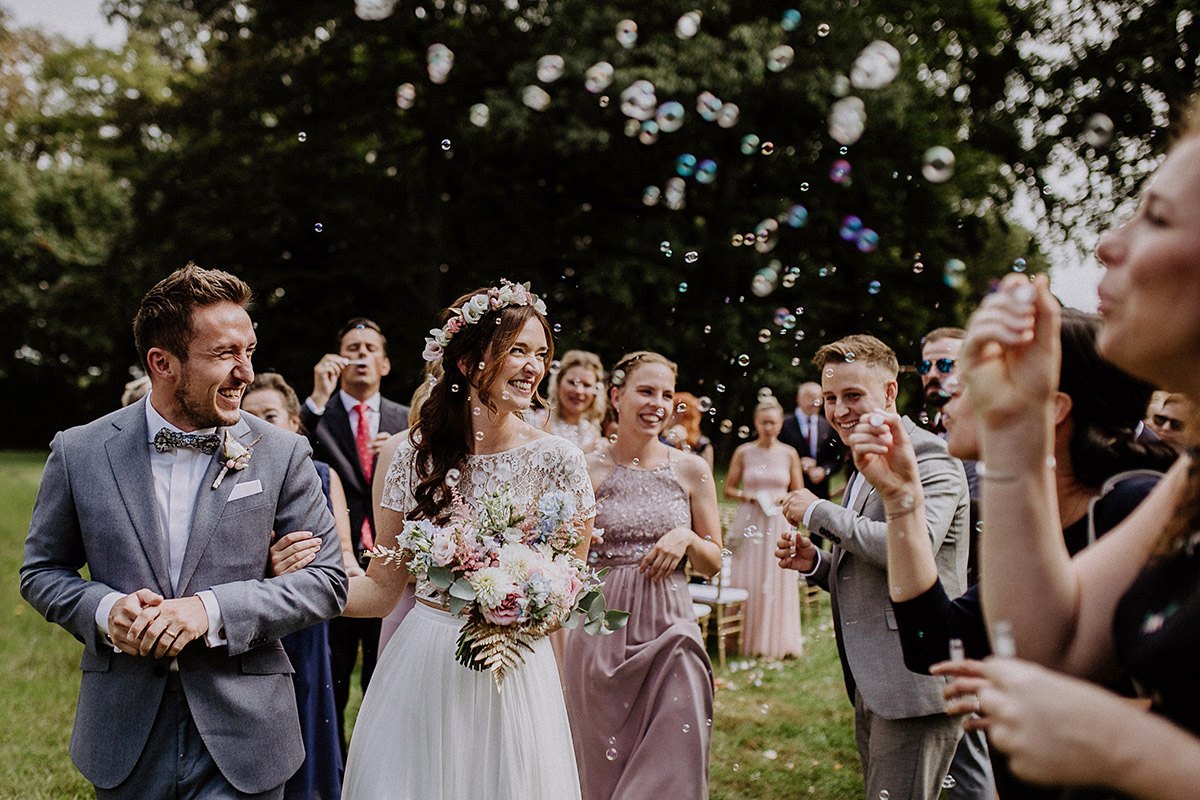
(637, 506)
(544, 464)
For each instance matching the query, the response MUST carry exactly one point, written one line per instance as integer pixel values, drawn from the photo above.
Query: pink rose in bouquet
(507, 613)
(443, 548)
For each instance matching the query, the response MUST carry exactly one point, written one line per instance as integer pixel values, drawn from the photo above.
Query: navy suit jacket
(333, 442)
(829, 449)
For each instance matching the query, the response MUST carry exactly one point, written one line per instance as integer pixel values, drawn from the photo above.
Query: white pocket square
(245, 490)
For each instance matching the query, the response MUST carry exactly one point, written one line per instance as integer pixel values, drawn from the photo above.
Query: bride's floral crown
(498, 297)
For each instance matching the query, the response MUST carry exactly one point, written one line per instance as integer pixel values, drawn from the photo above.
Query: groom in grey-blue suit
(905, 740)
(171, 503)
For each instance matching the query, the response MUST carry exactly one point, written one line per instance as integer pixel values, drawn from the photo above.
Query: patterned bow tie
(167, 439)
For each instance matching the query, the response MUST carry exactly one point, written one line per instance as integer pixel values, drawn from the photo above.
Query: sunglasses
(944, 365)
(1166, 423)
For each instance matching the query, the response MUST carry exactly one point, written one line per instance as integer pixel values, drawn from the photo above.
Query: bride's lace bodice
(542, 465)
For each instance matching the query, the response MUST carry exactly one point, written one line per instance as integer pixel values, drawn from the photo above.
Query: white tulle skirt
(431, 729)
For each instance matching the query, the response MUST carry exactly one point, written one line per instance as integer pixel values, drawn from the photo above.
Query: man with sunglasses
(938, 354)
(1169, 419)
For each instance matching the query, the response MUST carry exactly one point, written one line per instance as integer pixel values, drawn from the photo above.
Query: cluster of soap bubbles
(439, 60)
(853, 231)
(406, 95)
(374, 10)
(847, 120)
(688, 25)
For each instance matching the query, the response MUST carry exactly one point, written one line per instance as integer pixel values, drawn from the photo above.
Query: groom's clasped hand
(145, 623)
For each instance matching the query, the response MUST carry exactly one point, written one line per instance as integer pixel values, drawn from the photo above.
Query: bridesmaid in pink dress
(766, 470)
(640, 699)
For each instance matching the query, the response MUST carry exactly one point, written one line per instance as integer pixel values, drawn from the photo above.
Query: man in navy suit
(814, 439)
(347, 426)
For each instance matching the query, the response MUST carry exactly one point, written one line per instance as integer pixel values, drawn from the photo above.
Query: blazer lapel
(339, 428)
(210, 503)
(129, 456)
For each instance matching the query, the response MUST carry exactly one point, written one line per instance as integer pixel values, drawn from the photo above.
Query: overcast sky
(1075, 284)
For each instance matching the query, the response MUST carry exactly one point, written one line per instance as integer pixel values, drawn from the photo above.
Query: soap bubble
(728, 115)
(406, 95)
(706, 171)
(1098, 130)
(949, 782)
(797, 216)
(302, 136)
(627, 33)
(550, 68)
(851, 225)
(876, 66)
(780, 58)
(764, 282)
(767, 148)
(683, 287)
(685, 165)
(535, 97)
(938, 166)
(744, 360)
(688, 25)
(839, 171)
(823, 30)
(318, 227)
(479, 115)
(611, 753)
(764, 336)
(790, 20)
(638, 100)
(953, 274)
(691, 256)
(452, 477)
(750, 143)
(1018, 265)
(439, 61)
(867, 241)
(669, 116)
(446, 144)
(374, 10)
(726, 426)
(598, 77)
(873, 288)
(707, 106)
(847, 120)
(651, 195)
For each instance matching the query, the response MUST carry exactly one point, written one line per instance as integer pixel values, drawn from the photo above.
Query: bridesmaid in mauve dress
(640, 699)
(767, 470)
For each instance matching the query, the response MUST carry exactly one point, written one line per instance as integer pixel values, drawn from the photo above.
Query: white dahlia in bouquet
(511, 573)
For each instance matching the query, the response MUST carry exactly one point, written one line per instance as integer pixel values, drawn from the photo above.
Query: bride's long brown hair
(441, 437)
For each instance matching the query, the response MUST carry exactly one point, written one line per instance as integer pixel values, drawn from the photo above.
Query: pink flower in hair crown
(498, 297)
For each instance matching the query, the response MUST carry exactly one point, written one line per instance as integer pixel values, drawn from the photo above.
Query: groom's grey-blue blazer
(96, 507)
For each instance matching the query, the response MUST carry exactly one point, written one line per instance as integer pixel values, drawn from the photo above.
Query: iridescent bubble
(847, 120)
(721, 388)
(954, 273)
(737, 240)
(638, 100)
(667, 252)
(918, 267)
(650, 195)
(664, 246)
(648, 132)
(949, 782)
(744, 360)
(611, 753)
(764, 282)
(839, 171)
(669, 116)
(876, 66)
(439, 61)
(780, 313)
(764, 336)
(1018, 265)
(749, 144)
(683, 287)
(790, 20)
(798, 335)
(765, 237)
(1098, 131)
(707, 106)
(550, 68)
(780, 58)
(685, 165)
(789, 322)
(691, 256)
(535, 97)
(302, 136)
(479, 115)
(850, 357)
(374, 10)
(674, 192)
(706, 171)
(873, 287)
(318, 227)
(767, 148)
(726, 426)
(729, 115)
(703, 404)
(406, 95)
(687, 728)
(743, 431)
(823, 30)
(938, 164)
(627, 33)
(797, 216)
(598, 77)
(452, 477)
(867, 241)
(688, 25)
(445, 144)
(883, 794)
(479, 436)
(603, 101)
(851, 226)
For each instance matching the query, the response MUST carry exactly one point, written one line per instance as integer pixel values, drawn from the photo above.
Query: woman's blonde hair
(589, 361)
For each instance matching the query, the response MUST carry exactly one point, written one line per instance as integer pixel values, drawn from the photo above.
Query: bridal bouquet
(511, 572)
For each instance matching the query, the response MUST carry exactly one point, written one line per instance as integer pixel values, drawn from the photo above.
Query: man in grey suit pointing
(904, 739)
(171, 504)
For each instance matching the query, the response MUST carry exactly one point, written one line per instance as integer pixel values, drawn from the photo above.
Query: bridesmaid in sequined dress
(766, 470)
(640, 699)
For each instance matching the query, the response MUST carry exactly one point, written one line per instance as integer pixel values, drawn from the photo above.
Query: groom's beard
(199, 411)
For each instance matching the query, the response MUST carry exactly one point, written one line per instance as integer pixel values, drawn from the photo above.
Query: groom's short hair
(165, 317)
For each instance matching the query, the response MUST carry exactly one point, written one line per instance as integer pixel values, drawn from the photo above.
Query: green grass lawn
(780, 729)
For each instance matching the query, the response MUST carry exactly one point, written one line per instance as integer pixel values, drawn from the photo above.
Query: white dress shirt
(178, 477)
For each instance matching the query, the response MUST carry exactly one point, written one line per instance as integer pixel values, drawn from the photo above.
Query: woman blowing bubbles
(1132, 601)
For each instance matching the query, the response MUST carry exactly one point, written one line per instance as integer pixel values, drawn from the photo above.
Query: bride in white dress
(430, 728)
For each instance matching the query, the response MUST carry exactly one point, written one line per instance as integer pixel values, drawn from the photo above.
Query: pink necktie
(362, 441)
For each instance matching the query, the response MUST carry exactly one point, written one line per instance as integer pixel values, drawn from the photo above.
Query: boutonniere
(234, 456)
